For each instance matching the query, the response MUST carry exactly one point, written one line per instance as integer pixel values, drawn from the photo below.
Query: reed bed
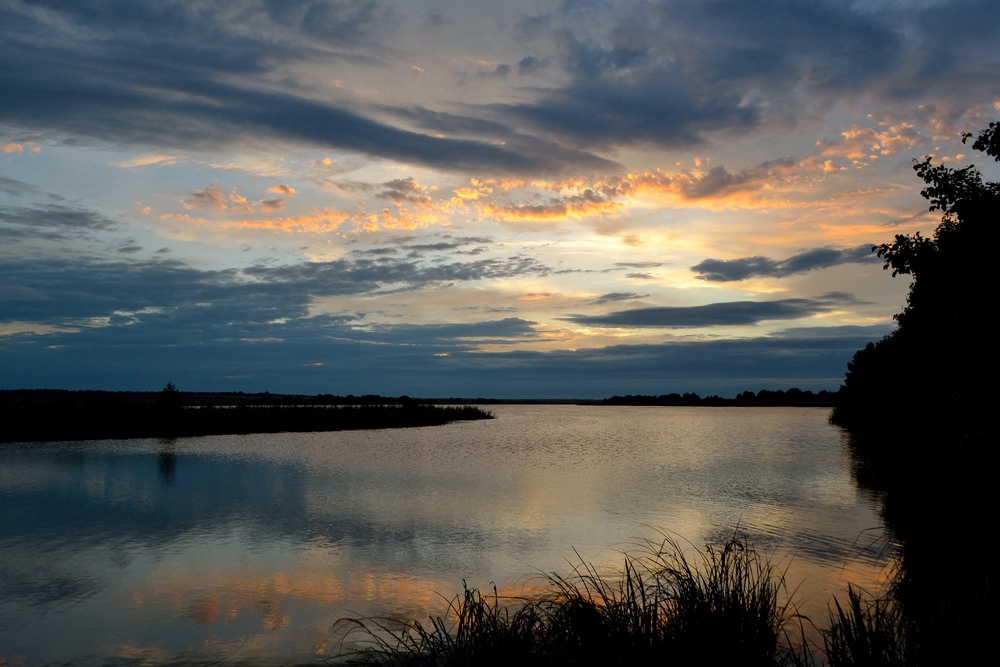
(726, 605)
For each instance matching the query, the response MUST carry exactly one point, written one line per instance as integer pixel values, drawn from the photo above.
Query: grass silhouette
(727, 605)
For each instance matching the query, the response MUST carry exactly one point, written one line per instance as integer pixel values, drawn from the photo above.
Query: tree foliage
(926, 374)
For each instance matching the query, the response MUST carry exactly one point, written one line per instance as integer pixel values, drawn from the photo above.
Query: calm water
(246, 549)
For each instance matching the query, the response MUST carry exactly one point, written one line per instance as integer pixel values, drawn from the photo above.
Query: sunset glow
(444, 199)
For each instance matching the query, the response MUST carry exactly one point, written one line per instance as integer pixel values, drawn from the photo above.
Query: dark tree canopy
(933, 373)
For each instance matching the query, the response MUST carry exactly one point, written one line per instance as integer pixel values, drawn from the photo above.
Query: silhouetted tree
(924, 377)
(169, 399)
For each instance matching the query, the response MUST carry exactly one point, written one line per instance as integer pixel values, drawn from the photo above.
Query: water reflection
(249, 547)
(167, 462)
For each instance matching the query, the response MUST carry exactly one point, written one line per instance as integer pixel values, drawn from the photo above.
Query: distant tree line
(794, 397)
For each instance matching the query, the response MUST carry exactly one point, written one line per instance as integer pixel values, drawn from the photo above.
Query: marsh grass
(870, 631)
(727, 605)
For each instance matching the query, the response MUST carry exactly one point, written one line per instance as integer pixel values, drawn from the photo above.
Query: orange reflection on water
(281, 598)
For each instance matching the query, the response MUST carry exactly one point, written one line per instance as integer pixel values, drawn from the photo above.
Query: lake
(246, 549)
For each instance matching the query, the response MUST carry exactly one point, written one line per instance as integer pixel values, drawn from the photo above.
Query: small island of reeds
(33, 416)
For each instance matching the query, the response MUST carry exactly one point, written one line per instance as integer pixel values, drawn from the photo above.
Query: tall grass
(726, 606)
(871, 631)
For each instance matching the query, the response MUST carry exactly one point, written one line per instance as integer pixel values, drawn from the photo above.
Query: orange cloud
(210, 197)
(588, 204)
(859, 146)
(283, 189)
(468, 193)
(11, 147)
(402, 218)
(325, 221)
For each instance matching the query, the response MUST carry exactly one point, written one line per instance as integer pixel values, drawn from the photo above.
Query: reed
(870, 632)
(726, 606)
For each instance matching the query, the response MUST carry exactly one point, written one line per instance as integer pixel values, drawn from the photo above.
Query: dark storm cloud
(726, 270)
(713, 314)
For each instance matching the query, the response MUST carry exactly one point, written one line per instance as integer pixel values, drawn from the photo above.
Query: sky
(545, 199)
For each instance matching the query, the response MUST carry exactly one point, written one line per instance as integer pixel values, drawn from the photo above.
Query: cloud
(210, 197)
(530, 66)
(449, 123)
(147, 160)
(51, 222)
(15, 187)
(499, 72)
(617, 296)
(314, 222)
(75, 292)
(271, 205)
(458, 335)
(732, 313)
(668, 73)
(176, 77)
(283, 189)
(639, 265)
(402, 190)
(587, 204)
(726, 270)
(676, 74)
(272, 357)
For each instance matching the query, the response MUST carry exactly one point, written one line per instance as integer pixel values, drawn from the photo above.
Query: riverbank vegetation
(926, 376)
(725, 605)
(917, 408)
(728, 605)
(43, 416)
